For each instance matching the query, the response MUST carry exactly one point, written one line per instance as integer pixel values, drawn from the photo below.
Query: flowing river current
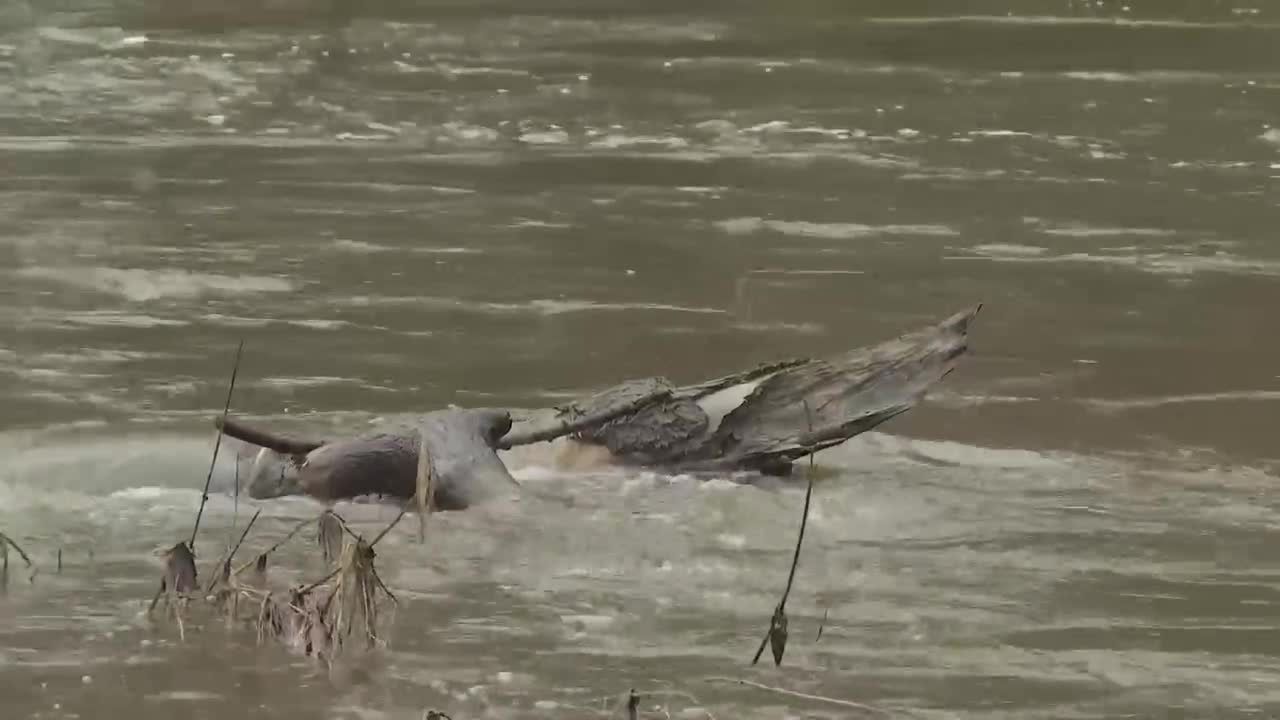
(403, 205)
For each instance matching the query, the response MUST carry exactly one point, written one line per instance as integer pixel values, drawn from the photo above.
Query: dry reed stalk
(204, 497)
(776, 636)
(261, 560)
(224, 590)
(7, 542)
(324, 618)
(425, 487)
(329, 534)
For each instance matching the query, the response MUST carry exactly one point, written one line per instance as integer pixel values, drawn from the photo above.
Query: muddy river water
(402, 205)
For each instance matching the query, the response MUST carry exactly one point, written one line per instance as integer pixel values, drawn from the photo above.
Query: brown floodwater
(404, 205)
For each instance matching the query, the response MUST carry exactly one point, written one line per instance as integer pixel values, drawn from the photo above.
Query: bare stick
(805, 696)
(633, 705)
(226, 561)
(778, 624)
(235, 507)
(387, 529)
(6, 539)
(275, 547)
(244, 535)
(156, 599)
(204, 497)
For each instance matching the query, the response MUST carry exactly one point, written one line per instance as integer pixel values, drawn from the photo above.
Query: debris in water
(329, 535)
(424, 492)
(7, 542)
(776, 637)
(204, 497)
(177, 584)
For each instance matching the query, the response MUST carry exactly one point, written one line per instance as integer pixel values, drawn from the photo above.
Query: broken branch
(280, 443)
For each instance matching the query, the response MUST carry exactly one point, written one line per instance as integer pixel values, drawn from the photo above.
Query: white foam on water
(1009, 249)
(1109, 21)
(139, 285)
(1190, 398)
(359, 246)
(1157, 262)
(826, 231)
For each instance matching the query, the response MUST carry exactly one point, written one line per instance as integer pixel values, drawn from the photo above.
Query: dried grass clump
(329, 535)
(343, 612)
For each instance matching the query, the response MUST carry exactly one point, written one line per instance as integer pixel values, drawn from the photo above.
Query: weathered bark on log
(847, 395)
(617, 401)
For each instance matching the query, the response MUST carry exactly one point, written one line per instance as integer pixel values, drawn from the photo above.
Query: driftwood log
(753, 420)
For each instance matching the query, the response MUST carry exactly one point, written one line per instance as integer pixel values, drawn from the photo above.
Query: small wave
(894, 448)
(539, 306)
(826, 231)
(1063, 20)
(140, 285)
(319, 324)
(556, 307)
(1145, 77)
(617, 140)
(1154, 402)
(302, 381)
(1157, 263)
(359, 246)
(545, 137)
(1083, 230)
(798, 328)
(1009, 250)
(113, 318)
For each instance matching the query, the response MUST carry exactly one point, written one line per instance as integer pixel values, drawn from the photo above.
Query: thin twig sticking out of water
(262, 556)
(424, 494)
(776, 637)
(224, 576)
(235, 506)
(5, 539)
(5, 543)
(204, 497)
(236, 547)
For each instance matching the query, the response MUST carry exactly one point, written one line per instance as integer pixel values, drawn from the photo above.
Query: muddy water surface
(404, 205)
